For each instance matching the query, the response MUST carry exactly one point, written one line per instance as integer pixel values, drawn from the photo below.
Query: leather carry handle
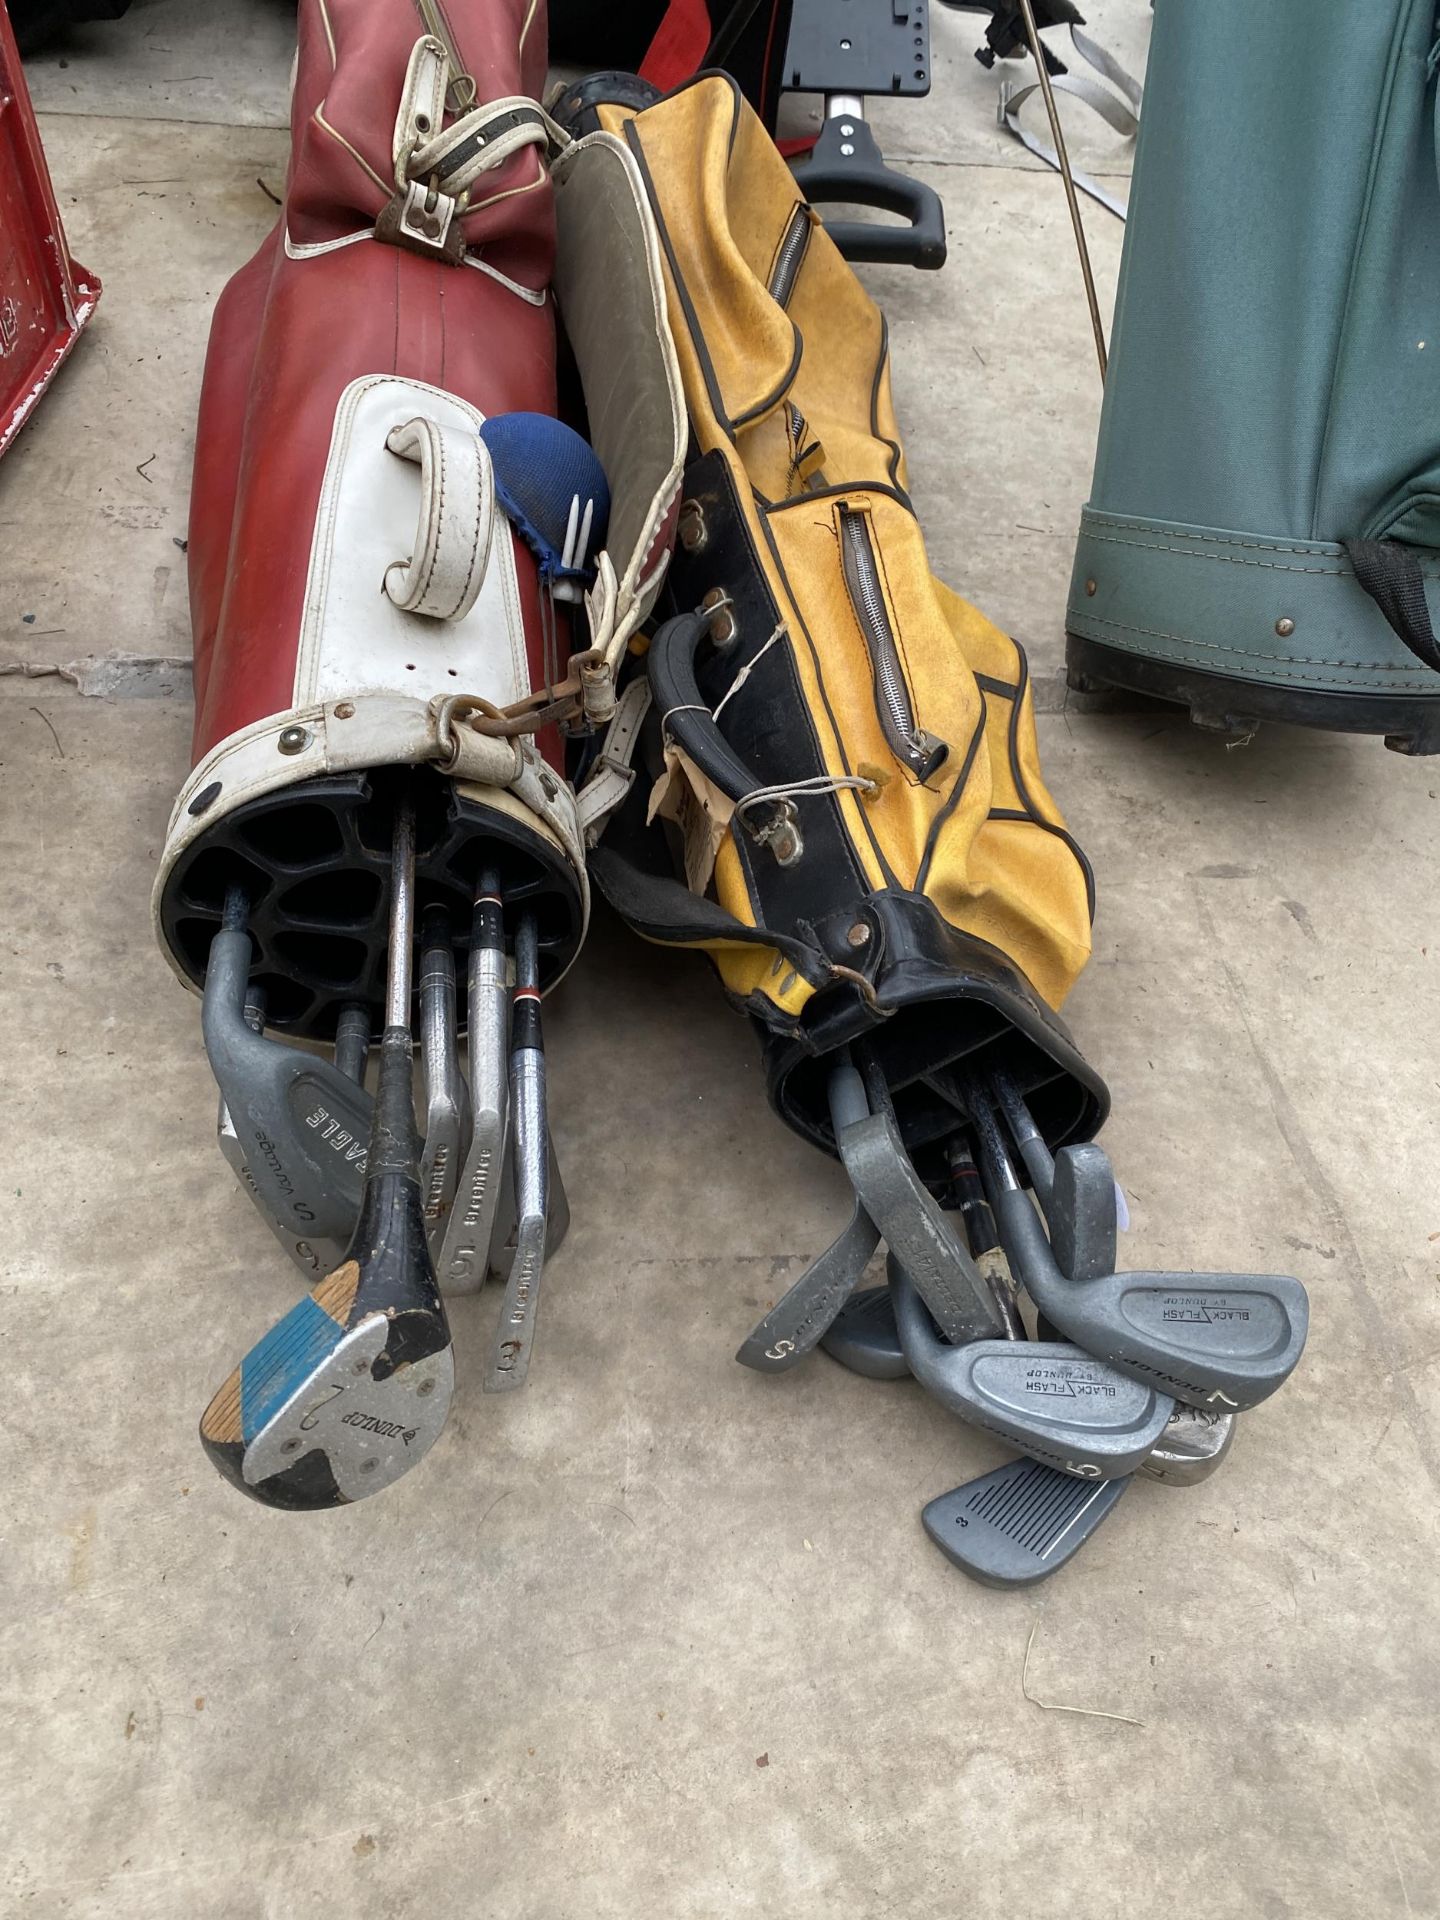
(862, 179)
(446, 567)
(685, 713)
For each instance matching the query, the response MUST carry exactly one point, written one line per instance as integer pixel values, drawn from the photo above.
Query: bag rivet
(721, 625)
(691, 526)
(1090, 588)
(293, 740)
(859, 935)
(1285, 627)
(345, 710)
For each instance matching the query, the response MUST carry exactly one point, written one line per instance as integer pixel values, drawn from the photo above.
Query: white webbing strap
(613, 775)
(446, 566)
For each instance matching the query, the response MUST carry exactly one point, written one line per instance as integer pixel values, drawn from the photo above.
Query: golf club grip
(1022, 1235)
(394, 1139)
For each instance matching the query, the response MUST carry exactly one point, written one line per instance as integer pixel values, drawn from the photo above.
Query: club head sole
(796, 1323)
(1192, 1447)
(1020, 1524)
(863, 1337)
(321, 1412)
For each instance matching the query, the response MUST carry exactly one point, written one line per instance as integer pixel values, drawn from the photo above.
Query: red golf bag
(362, 599)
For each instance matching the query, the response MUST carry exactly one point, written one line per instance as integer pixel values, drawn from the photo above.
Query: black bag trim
(731, 560)
(697, 336)
(937, 825)
(894, 445)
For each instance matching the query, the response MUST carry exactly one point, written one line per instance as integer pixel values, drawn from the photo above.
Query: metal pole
(1057, 134)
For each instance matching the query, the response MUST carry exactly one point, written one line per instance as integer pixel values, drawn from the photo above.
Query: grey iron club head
(352, 1387)
(1024, 1521)
(312, 1256)
(866, 1341)
(470, 1229)
(507, 1227)
(863, 1338)
(1224, 1341)
(1019, 1524)
(796, 1323)
(301, 1124)
(1055, 1402)
(447, 1099)
(1194, 1443)
(1076, 1187)
(911, 1223)
(515, 1335)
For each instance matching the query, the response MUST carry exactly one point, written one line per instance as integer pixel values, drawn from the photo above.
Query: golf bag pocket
(399, 555)
(836, 787)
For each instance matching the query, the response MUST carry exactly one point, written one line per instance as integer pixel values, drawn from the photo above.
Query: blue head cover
(541, 466)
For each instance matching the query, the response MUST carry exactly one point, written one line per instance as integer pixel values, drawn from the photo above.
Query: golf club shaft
(469, 1232)
(515, 1335)
(1038, 1159)
(352, 1041)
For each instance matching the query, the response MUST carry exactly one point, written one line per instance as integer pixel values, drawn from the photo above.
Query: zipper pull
(461, 93)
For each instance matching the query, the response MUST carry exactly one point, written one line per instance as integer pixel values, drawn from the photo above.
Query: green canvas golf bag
(1262, 531)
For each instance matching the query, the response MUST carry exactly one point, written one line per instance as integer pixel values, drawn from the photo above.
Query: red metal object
(45, 296)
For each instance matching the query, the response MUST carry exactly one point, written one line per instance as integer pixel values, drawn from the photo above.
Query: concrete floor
(661, 1637)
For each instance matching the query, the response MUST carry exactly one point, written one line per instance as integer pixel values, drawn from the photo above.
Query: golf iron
(1024, 1521)
(351, 1388)
(1055, 1402)
(1218, 1341)
(470, 1228)
(447, 1099)
(515, 1336)
(798, 1321)
(865, 1340)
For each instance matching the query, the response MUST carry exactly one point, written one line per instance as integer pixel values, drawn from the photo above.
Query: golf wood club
(311, 1256)
(352, 1387)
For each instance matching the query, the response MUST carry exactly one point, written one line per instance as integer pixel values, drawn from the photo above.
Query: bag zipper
(909, 742)
(786, 270)
(461, 94)
(796, 428)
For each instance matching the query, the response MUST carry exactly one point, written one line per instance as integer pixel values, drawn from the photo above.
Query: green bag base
(1224, 704)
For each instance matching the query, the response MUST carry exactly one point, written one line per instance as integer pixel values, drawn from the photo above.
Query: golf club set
(439, 696)
(353, 1385)
(1127, 1373)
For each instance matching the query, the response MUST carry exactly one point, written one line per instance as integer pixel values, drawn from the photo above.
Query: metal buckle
(426, 215)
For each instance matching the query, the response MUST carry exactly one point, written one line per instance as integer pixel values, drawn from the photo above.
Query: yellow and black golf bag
(824, 770)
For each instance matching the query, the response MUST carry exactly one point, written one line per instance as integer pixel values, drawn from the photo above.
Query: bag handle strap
(1390, 572)
(445, 569)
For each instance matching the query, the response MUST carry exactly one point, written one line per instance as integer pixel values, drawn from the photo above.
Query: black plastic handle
(861, 178)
